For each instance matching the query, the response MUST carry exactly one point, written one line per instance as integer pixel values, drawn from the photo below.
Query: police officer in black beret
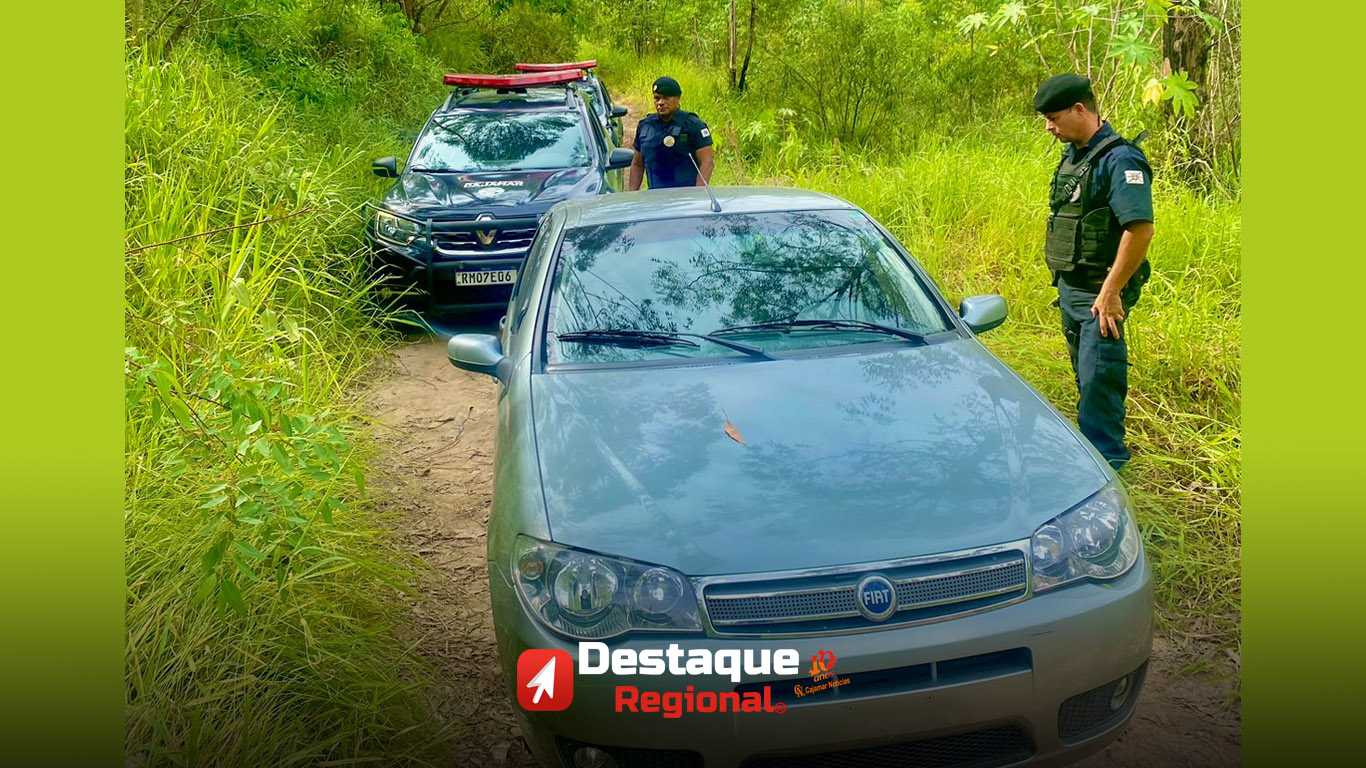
(1098, 235)
(669, 141)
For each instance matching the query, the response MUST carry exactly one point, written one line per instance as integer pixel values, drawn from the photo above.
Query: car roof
(490, 98)
(692, 201)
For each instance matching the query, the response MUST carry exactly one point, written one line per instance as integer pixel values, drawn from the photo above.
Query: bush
(261, 588)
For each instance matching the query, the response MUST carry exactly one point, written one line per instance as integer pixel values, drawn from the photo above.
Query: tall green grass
(971, 207)
(262, 592)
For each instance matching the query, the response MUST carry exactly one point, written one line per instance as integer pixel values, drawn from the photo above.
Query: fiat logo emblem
(875, 597)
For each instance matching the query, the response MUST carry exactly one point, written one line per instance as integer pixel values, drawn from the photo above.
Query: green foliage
(283, 469)
(1132, 49)
(525, 31)
(261, 588)
(850, 74)
(332, 54)
(1072, 38)
(1180, 91)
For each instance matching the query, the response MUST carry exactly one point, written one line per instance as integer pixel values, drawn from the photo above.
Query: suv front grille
(467, 243)
(827, 602)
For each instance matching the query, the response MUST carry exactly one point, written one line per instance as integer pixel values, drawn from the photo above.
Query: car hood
(449, 195)
(846, 459)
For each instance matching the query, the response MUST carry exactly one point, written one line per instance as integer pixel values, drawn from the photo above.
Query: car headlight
(587, 596)
(1097, 539)
(396, 229)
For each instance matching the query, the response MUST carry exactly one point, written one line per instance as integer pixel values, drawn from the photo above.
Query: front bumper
(418, 276)
(1014, 680)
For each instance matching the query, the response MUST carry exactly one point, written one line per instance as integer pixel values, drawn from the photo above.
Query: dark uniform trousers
(1100, 365)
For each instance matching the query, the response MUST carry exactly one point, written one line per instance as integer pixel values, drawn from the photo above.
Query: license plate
(487, 277)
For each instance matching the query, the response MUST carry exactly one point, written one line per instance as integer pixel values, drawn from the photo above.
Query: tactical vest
(1082, 231)
(667, 151)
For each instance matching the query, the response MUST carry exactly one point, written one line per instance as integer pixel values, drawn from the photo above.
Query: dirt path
(436, 470)
(636, 110)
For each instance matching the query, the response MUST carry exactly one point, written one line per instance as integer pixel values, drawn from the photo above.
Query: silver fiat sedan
(751, 425)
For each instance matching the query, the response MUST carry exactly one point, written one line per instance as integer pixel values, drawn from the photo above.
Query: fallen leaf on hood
(733, 433)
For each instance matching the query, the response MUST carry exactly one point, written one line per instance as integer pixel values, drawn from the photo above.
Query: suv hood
(448, 195)
(847, 459)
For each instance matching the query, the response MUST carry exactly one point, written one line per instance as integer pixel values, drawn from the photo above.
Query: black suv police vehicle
(453, 230)
(591, 86)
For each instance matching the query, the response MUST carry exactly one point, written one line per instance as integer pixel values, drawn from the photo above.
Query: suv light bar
(556, 67)
(555, 77)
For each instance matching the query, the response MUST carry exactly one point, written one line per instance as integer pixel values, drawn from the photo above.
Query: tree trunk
(132, 18)
(1185, 46)
(730, 59)
(749, 48)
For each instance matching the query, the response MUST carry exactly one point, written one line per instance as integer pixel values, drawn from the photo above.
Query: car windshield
(718, 276)
(494, 140)
(591, 94)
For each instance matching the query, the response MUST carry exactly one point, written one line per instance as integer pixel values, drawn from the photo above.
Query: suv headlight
(396, 229)
(1097, 539)
(587, 596)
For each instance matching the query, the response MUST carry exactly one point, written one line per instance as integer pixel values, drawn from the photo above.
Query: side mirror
(385, 167)
(621, 157)
(619, 111)
(982, 313)
(476, 352)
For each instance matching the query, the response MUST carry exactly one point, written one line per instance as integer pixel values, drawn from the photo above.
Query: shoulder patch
(1133, 177)
(706, 131)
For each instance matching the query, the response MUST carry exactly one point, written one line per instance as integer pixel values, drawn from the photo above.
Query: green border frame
(1303, 417)
(62, 467)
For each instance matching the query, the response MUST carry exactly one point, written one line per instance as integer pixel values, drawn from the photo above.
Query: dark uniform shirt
(1123, 178)
(668, 163)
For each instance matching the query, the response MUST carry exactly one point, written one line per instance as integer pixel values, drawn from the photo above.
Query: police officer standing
(1097, 247)
(668, 142)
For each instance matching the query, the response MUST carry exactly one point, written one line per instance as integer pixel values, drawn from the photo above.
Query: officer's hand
(1110, 311)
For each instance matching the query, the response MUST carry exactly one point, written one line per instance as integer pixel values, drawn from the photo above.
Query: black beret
(667, 86)
(1060, 92)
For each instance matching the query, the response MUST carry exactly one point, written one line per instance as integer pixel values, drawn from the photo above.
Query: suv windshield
(495, 140)
(720, 276)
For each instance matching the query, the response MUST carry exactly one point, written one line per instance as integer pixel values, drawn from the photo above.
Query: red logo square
(545, 680)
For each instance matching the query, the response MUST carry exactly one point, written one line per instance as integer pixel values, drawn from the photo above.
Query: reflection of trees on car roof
(502, 139)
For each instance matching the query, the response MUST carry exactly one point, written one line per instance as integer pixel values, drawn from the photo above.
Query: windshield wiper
(420, 169)
(831, 324)
(632, 337)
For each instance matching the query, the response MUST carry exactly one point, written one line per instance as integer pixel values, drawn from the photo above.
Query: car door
(614, 180)
(614, 123)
